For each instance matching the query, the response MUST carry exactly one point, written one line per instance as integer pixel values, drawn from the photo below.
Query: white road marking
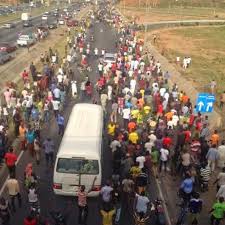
(163, 202)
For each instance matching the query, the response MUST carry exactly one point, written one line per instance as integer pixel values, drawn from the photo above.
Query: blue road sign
(205, 102)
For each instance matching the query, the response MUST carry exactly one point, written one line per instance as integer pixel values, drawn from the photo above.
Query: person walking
(4, 211)
(30, 136)
(195, 208)
(48, 146)
(61, 124)
(13, 189)
(82, 203)
(218, 212)
(10, 160)
(37, 150)
(212, 157)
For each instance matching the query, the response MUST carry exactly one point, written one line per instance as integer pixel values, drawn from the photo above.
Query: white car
(61, 21)
(9, 25)
(109, 58)
(44, 17)
(25, 40)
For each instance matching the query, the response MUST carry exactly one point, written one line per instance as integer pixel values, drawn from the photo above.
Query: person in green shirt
(218, 212)
(155, 160)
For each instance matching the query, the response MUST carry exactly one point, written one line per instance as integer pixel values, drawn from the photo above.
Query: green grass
(206, 48)
(171, 9)
(174, 3)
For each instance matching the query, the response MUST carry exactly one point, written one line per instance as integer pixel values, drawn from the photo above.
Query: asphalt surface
(11, 35)
(48, 200)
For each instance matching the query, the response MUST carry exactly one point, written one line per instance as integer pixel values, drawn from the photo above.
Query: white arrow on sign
(200, 105)
(209, 105)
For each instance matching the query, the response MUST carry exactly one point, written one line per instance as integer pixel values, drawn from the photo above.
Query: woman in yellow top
(133, 137)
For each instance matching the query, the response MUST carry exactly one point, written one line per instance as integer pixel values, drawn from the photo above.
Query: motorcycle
(158, 209)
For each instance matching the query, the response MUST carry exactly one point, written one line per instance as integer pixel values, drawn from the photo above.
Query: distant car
(25, 40)
(44, 17)
(56, 14)
(4, 57)
(27, 23)
(7, 47)
(9, 25)
(72, 23)
(109, 58)
(61, 21)
(52, 26)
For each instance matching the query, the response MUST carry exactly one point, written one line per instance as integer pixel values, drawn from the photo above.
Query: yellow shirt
(142, 91)
(147, 109)
(133, 137)
(107, 217)
(111, 129)
(134, 113)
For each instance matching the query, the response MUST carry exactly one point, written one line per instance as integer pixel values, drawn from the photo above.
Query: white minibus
(78, 160)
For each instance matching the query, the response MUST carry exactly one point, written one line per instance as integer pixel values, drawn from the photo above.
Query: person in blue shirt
(34, 113)
(186, 188)
(30, 136)
(61, 124)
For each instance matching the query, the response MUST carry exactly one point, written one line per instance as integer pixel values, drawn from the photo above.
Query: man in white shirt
(56, 93)
(126, 116)
(141, 160)
(55, 106)
(164, 156)
(132, 85)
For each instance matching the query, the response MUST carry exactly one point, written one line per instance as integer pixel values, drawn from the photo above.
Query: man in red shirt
(167, 141)
(25, 76)
(10, 160)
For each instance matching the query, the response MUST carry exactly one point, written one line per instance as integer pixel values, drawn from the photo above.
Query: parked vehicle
(25, 40)
(7, 47)
(4, 57)
(9, 25)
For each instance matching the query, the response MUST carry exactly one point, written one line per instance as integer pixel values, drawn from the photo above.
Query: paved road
(11, 35)
(50, 201)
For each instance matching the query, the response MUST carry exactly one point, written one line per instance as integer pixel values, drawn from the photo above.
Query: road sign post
(205, 102)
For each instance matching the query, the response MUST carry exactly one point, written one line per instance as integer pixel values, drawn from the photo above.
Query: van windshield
(77, 166)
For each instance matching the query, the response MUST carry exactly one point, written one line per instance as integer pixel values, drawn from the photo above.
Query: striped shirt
(205, 173)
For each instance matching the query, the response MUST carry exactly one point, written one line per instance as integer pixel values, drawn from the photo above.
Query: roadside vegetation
(158, 10)
(206, 47)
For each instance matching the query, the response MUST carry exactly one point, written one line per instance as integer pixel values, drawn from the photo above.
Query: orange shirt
(131, 126)
(215, 139)
(185, 98)
(169, 115)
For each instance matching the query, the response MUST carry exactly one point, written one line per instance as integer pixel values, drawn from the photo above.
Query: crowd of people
(153, 131)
